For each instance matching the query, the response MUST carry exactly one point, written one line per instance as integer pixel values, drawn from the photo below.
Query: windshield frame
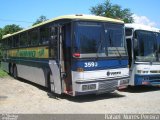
(75, 43)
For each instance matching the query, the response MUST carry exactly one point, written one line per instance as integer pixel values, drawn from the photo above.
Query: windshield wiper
(115, 46)
(99, 46)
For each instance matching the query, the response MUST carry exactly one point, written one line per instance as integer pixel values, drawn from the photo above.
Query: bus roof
(71, 17)
(142, 27)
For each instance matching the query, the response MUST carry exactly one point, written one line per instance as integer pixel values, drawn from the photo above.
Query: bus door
(67, 58)
(56, 55)
(61, 50)
(129, 48)
(129, 42)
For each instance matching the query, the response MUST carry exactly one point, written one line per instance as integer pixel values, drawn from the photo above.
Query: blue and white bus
(143, 44)
(73, 54)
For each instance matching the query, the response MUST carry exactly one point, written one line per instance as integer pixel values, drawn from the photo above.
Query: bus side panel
(5, 66)
(33, 74)
(55, 78)
(145, 78)
(132, 75)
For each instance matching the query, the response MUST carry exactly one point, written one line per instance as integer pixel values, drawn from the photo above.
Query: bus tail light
(76, 55)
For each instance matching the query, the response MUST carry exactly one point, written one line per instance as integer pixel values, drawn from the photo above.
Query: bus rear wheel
(10, 70)
(49, 81)
(15, 72)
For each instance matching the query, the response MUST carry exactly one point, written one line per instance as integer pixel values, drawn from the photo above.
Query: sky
(25, 12)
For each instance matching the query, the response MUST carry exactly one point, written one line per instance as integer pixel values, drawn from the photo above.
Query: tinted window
(16, 41)
(89, 37)
(128, 31)
(44, 35)
(10, 42)
(129, 48)
(5, 44)
(158, 41)
(114, 35)
(23, 39)
(54, 42)
(145, 49)
(99, 39)
(33, 37)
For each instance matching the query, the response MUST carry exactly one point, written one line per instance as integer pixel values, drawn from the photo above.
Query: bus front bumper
(150, 80)
(100, 86)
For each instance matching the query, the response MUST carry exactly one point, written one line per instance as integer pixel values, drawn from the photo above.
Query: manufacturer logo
(113, 73)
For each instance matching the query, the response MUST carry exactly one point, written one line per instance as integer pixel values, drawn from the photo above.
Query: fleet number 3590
(90, 64)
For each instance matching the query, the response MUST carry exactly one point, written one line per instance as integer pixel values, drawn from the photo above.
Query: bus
(71, 54)
(143, 44)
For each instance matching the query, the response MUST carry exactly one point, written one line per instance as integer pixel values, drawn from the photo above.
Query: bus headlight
(88, 87)
(139, 71)
(142, 72)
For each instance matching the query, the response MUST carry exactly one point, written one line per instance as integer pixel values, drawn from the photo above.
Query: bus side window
(3, 44)
(53, 42)
(128, 31)
(23, 39)
(4, 47)
(158, 42)
(6, 44)
(10, 41)
(33, 37)
(44, 35)
(15, 41)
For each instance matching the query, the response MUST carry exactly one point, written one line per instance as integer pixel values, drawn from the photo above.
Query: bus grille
(108, 86)
(154, 78)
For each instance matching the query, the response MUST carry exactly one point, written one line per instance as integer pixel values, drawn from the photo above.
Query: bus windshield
(100, 39)
(145, 46)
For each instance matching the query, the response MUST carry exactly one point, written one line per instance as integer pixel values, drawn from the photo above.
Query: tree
(40, 20)
(0, 43)
(107, 9)
(0, 33)
(9, 29)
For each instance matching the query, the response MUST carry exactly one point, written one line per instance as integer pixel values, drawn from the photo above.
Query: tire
(49, 81)
(15, 72)
(11, 70)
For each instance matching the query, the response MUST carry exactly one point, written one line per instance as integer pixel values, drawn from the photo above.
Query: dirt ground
(19, 96)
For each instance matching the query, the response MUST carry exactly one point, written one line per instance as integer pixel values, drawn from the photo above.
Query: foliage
(0, 33)
(107, 9)
(9, 29)
(2, 73)
(40, 20)
(0, 53)
(0, 44)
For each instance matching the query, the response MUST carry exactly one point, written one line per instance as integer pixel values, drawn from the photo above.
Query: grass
(2, 73)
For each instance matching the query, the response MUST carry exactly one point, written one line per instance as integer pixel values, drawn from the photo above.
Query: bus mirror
(135, 42)
(54, 30)
(54, 38)
(54, 34)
